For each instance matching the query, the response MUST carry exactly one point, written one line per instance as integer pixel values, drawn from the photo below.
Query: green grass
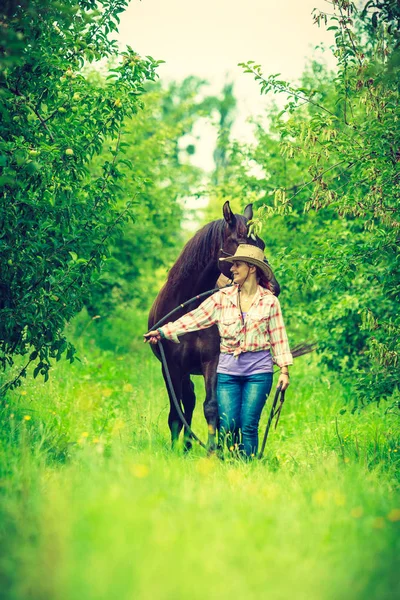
(95, 505)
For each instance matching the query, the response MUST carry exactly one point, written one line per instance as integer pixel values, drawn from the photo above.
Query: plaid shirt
(263, 329)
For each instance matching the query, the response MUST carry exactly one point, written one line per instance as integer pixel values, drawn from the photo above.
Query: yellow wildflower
(320, 497)
(27, 418)
(394, 515)
(378, 523)
(140, 470)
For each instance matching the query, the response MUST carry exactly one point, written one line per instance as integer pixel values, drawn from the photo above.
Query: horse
(197, 270)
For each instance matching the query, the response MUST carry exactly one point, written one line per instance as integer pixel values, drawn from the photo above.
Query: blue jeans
(240, 403)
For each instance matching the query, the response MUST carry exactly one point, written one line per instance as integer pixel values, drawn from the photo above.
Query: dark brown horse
(197, 270)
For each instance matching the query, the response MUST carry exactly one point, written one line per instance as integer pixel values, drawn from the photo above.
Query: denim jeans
(240, 403)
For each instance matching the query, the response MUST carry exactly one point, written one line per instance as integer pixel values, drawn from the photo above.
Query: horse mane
(198, 252)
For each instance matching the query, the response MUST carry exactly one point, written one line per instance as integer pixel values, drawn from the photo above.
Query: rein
(274, 412)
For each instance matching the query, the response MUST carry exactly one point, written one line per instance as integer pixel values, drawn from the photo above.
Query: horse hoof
(187, 446)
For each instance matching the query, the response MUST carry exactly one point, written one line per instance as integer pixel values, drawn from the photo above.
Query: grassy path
(94, 505)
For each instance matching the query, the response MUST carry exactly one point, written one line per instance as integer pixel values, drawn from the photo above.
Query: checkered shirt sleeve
(278, 337)
(202, 317)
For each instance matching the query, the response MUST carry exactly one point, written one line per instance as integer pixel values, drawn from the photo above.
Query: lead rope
(165, 365)
(208, 293)
(174, 398)
(273, 413)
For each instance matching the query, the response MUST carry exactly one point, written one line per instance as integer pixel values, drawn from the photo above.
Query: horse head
(236, 231)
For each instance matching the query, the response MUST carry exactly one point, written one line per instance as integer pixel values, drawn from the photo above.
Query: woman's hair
(263, 280)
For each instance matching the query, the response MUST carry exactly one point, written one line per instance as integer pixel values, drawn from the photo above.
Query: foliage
(56, 220)
(329, 197)
(160, 175)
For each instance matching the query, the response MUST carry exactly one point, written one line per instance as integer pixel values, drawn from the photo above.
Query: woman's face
(241, 271)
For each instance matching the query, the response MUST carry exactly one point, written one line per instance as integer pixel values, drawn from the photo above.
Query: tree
(163, 178)
(328, 201)
(56, 220)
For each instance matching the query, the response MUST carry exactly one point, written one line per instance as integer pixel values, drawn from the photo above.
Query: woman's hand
(222, 281)
(283, 381)
(152, 337)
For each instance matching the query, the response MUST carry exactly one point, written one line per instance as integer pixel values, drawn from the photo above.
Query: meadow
(95, 505)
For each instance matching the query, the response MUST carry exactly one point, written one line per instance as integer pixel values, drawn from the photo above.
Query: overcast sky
(208, 38)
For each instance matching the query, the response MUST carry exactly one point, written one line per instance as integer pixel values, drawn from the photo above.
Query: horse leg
(210, 403)
(189, 402)
(174, 421)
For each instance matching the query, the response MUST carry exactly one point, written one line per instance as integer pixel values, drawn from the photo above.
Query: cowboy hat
(253, 256)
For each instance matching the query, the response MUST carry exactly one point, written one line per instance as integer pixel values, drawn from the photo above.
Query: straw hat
(253, 256)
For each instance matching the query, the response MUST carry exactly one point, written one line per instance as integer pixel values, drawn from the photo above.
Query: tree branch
(16, 92)
(4, 388)
(290, 91)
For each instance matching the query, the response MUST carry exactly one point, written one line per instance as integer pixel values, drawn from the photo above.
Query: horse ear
(228, 214)
(248, 212)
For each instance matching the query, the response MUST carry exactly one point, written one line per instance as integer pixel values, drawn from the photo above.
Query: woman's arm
(280, 344)
(202, 317)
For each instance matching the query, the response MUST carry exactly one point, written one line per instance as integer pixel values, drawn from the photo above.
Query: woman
(250, 324)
